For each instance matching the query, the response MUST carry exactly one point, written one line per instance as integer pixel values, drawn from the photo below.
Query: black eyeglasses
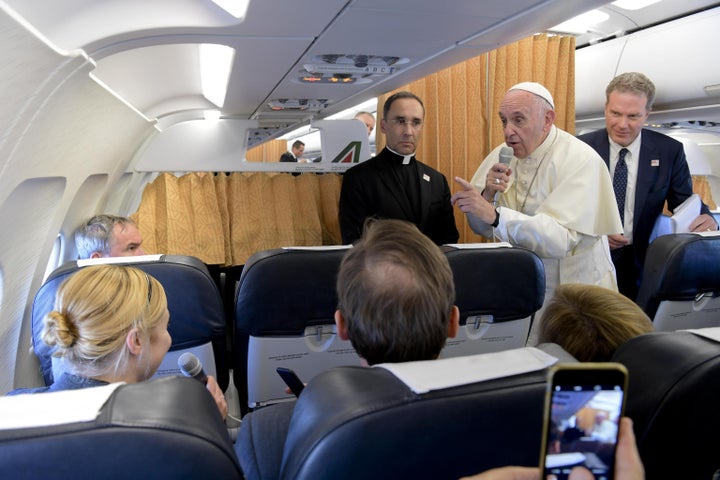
(415, 123)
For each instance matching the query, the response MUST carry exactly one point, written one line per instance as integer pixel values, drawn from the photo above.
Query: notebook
(685, 213)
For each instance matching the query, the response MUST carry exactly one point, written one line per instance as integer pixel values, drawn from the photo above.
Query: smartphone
(291, 380)
(583, 406)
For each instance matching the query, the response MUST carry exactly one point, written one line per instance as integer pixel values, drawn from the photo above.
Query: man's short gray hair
(94, 235)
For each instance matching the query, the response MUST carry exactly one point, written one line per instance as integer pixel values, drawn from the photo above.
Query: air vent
(257, 136)
(298, 104)
(337, 68)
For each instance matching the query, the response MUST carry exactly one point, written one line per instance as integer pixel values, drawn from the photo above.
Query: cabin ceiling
(147, 51)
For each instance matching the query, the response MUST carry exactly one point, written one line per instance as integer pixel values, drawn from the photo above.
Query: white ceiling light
(215, 64)
(582, 23)
(236, 8)
(633, 4)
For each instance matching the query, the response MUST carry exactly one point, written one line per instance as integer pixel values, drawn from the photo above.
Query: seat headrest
(169, 426)
(673, 394)
(392, 432)
(679, 267)
(303, 278)
(518, 274)
(196, 308)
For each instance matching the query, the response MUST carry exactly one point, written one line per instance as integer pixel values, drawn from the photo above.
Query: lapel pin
(426, 177)
(655, 163)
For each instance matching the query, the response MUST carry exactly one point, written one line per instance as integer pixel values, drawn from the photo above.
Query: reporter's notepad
(685, 213)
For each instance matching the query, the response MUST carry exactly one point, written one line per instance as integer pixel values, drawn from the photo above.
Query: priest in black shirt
(394, 184)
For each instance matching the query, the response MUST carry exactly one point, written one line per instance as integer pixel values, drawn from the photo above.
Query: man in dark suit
(653, 168)
(298, 148)
(394, 184)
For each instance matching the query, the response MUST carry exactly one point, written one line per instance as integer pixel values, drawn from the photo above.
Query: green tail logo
(349, 154)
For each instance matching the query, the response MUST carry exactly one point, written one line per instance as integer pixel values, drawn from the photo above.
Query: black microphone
(190, 366)
(506, 154)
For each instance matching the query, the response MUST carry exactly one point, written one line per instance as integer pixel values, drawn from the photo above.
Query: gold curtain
(701, 186)
(461, 104)
(267, 152)
(223, 219)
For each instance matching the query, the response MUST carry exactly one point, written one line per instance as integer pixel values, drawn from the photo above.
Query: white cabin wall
(65, 143)
(125, 197)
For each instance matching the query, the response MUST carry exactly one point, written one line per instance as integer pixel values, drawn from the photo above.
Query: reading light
(581, 23)
(339, 69)
(215, 64)
(236, 8)
(336, 79)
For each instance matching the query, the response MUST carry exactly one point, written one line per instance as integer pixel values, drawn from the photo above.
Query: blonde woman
(110, 325)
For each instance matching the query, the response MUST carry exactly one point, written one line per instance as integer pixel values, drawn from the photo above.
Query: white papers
(424, 376)
(713, 333)
(54, 408)
(468, 246)
(685, 213)
(112, 260)
(318, 248)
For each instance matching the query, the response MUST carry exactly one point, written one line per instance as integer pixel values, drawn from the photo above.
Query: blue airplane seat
(197, 316)
(673, 397)
(166, 428)
(498, 289)
(680, 288)
(284, 317)
(358, 423)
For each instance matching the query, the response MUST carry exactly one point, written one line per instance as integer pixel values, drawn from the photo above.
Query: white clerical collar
(406, 158)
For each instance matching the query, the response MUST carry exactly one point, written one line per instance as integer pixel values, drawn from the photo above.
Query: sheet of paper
(425, 376)
(319, 248)
(54, 408)
(469, 246)
(712, 333)
(685, 213)
(105, 260)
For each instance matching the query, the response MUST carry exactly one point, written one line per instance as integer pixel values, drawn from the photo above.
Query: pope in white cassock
(555, 197)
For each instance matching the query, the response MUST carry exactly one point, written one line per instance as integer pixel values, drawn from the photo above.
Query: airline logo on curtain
(349, 154)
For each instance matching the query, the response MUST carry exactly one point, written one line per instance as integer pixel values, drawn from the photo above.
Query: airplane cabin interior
(176, 114)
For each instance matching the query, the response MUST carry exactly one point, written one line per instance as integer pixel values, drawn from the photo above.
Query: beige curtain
(701, 186)
(267, 152)
(223, 219)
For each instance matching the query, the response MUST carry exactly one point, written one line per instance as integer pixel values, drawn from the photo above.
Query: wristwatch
(497, 218)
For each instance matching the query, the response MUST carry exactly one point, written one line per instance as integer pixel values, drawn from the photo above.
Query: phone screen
(585, 406)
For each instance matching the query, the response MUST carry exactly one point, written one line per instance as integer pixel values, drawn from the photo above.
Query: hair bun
(59, 330)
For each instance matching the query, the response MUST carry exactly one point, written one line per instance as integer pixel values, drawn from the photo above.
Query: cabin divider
(223, 219)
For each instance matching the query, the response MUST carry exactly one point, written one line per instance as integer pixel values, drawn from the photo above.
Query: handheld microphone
(190, 366)
(506, 154)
